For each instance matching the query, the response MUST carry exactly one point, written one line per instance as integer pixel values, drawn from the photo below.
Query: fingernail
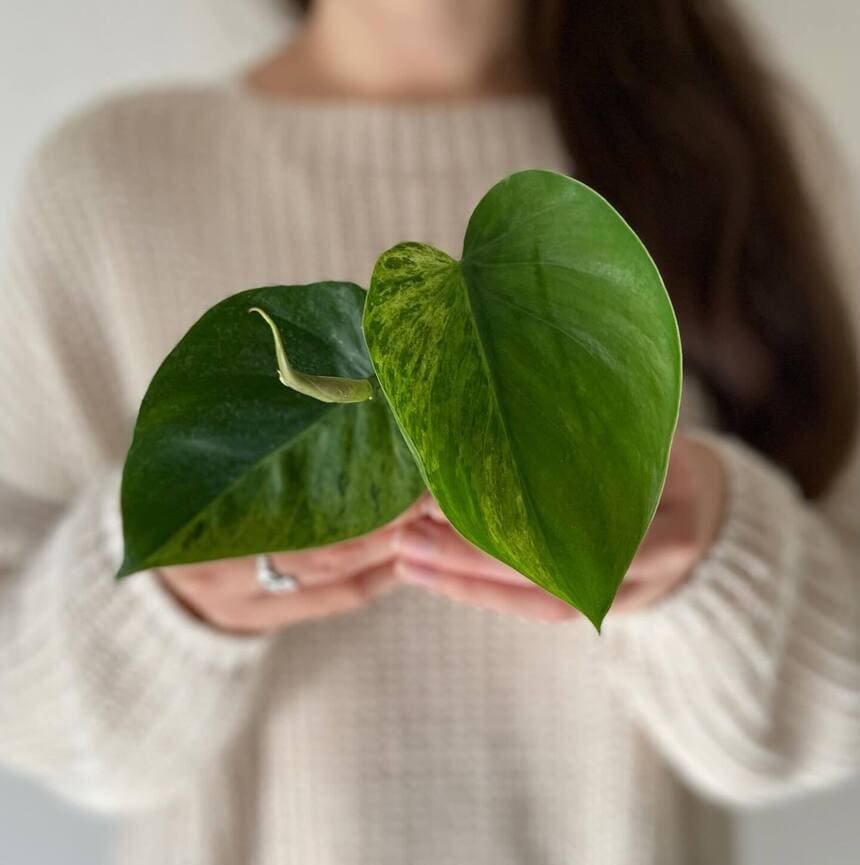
(413, 573)
(412, 543)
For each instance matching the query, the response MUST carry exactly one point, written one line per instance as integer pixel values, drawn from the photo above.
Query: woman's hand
(334, 579)
(421, 547)
(433, 555)
(687, 520)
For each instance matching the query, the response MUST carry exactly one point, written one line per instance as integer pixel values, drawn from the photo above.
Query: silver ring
(272, 580)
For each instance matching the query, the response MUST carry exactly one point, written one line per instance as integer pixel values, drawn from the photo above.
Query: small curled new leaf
(325, 388)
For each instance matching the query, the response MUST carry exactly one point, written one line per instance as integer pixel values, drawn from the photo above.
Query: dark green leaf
(226, 461)
(537, 381)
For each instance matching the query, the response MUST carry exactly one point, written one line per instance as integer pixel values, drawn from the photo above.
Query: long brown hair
(668, 112)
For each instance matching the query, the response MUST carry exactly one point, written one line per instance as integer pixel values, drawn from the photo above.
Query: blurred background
(55, 55)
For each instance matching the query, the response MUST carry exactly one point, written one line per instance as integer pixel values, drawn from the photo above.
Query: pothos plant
(532, 386)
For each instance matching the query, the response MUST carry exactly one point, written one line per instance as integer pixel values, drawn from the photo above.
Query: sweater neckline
(498, 133)
(238, 86)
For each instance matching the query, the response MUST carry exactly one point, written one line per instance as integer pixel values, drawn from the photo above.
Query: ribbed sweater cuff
(103, 674)
(746, 676)
(757, 540)
(166, 619)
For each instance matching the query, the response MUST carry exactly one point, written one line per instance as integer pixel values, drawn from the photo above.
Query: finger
(268, 612)
(527, 602)
(636, 594)
(416, 511)
(323, 565)
(440, 547)
(432, 510)
(224, 578)
(670, 547)
(676, 490)
(347, 558)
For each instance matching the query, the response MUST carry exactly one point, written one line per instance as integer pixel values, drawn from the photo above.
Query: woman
(457, 714)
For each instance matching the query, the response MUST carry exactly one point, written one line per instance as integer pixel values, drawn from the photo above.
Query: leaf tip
(598, 623)
(126, 569)
(596, 614)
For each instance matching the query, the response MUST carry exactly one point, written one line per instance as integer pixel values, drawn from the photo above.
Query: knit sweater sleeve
(111, 693)
(747, 678)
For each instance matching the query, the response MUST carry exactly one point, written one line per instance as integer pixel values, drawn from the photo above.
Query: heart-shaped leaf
(537, 381)
(226, 461)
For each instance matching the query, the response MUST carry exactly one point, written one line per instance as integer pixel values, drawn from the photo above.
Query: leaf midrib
(528, 500)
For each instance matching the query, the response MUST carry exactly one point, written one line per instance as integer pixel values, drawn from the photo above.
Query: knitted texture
(418, 730)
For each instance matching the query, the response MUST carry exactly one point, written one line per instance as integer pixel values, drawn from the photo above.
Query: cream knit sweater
(416, 731)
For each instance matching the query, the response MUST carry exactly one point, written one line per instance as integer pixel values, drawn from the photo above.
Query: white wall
(55, 54)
